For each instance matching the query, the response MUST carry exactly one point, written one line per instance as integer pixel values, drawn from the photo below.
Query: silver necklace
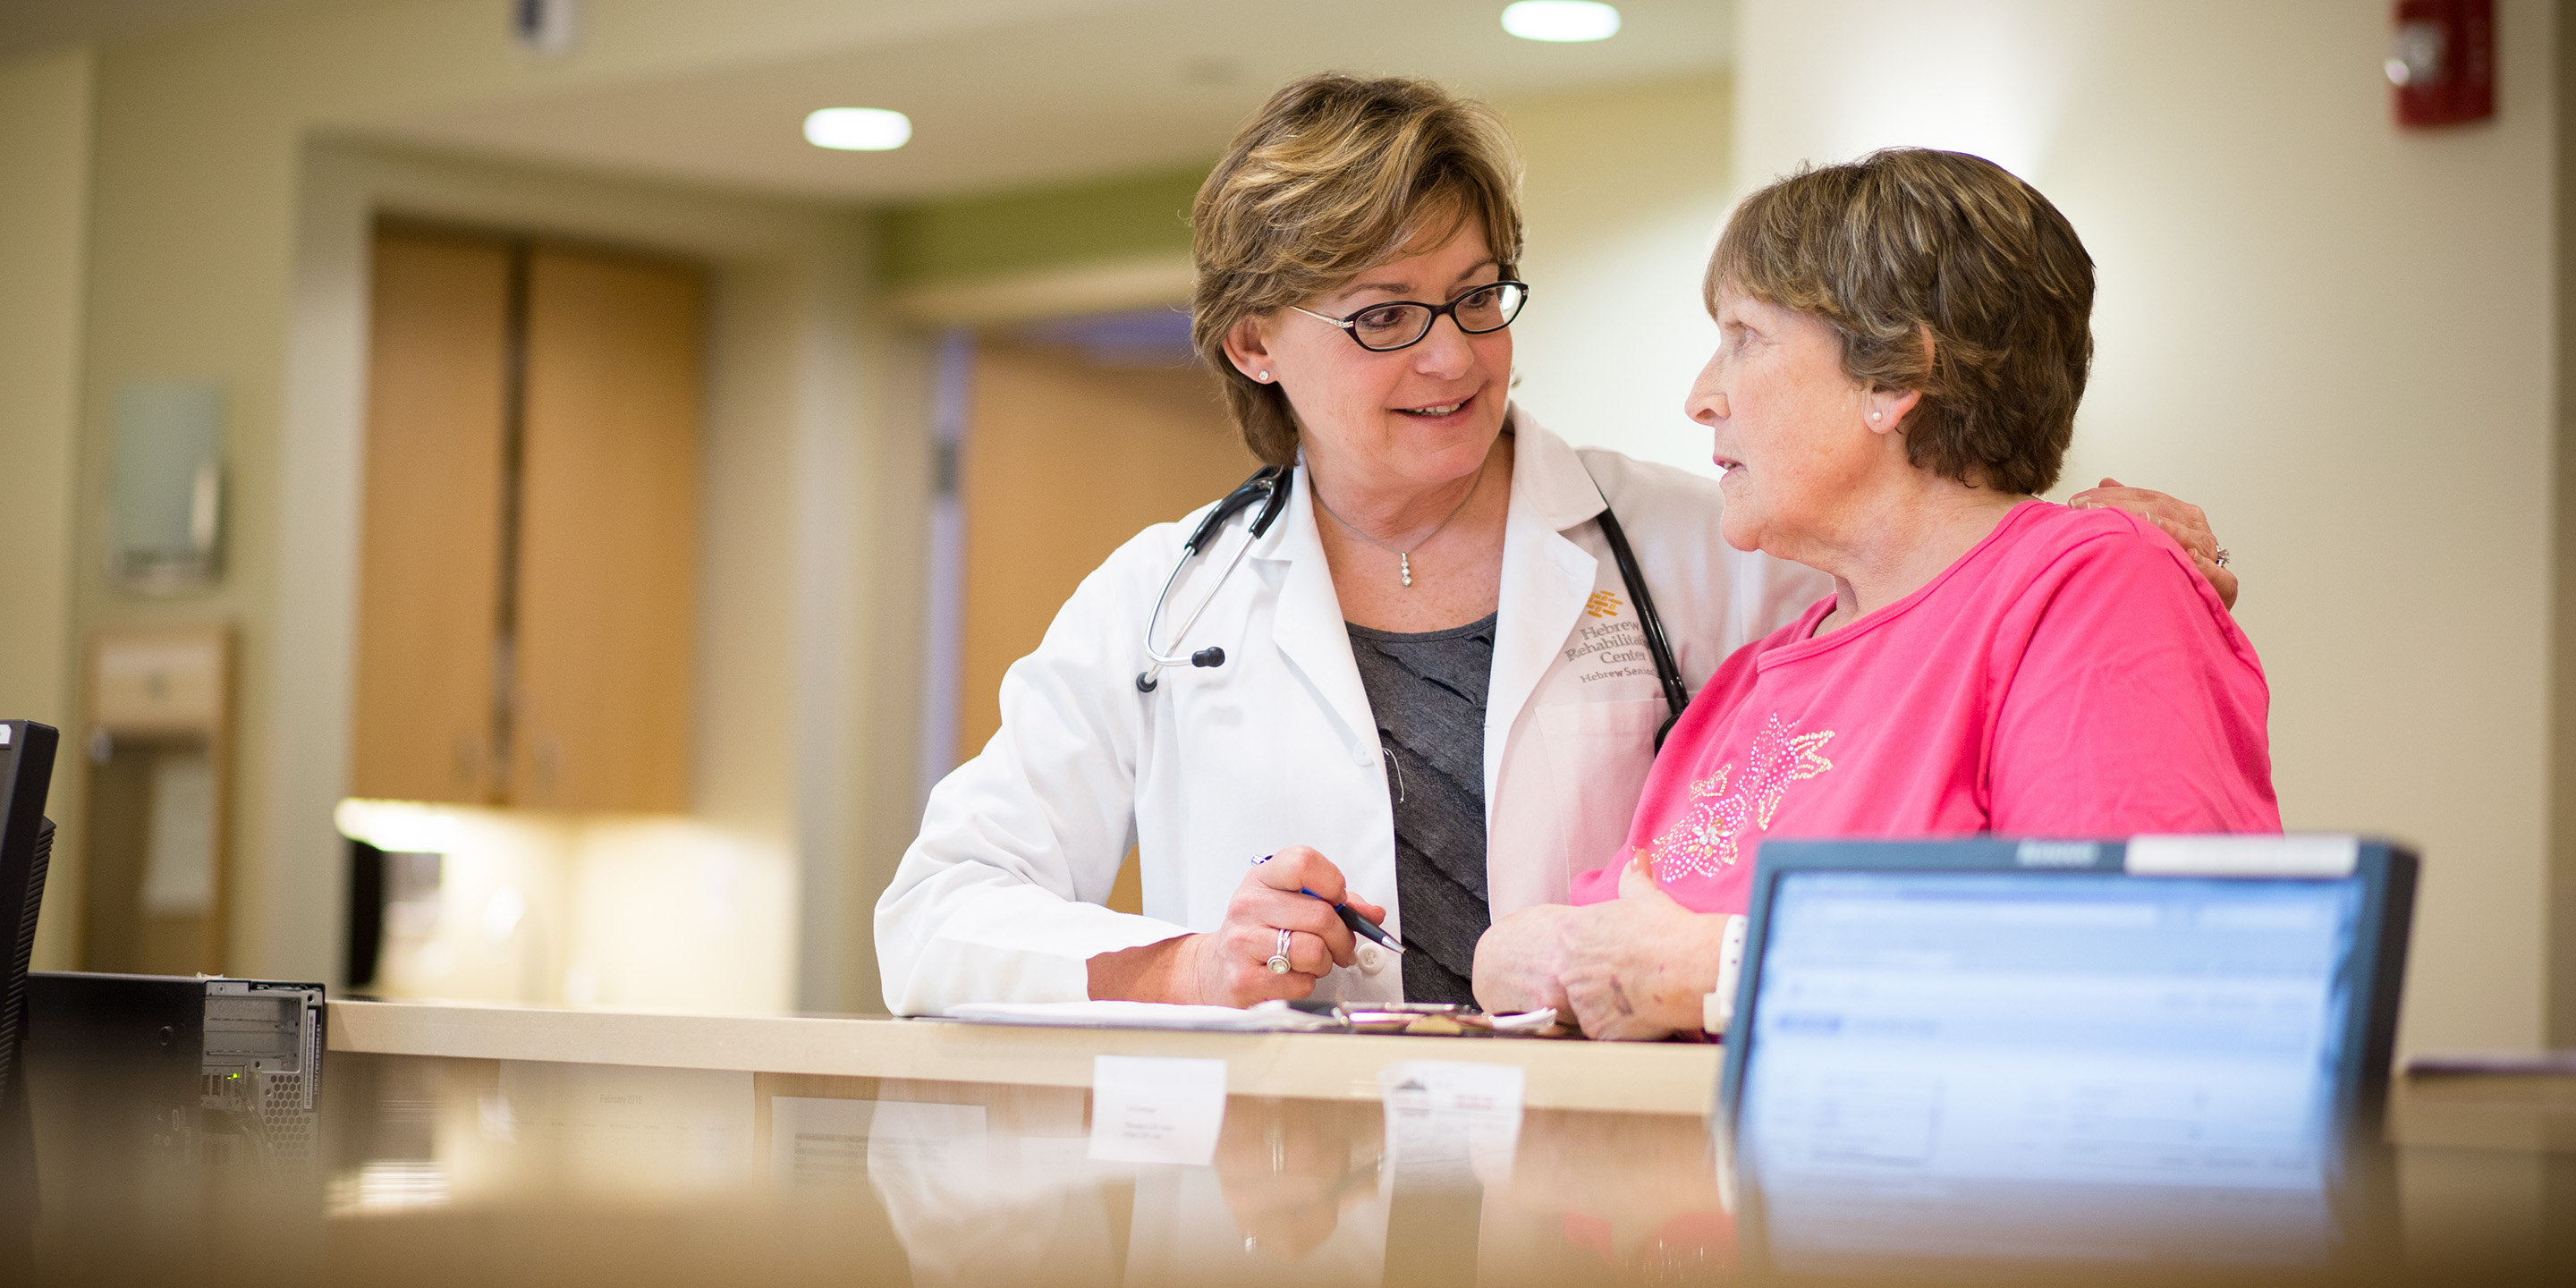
(1403, 558)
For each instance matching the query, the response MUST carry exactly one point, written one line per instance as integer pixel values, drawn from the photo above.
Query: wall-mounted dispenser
(167, 499)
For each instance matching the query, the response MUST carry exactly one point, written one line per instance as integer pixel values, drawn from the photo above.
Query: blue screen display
(2050, 1028)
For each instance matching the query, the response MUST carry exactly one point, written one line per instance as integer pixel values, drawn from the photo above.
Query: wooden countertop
(2522, 1113)
(1665, 1078)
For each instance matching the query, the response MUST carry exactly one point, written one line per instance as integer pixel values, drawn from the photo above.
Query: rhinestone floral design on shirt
(1703, 841)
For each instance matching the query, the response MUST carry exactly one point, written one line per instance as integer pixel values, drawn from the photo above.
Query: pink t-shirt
(2070, 676)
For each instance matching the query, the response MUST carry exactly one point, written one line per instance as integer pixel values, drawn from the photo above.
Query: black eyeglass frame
(1350, 323)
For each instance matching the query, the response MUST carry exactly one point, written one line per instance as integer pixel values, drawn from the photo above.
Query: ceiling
(28, 25)
(1103, 88)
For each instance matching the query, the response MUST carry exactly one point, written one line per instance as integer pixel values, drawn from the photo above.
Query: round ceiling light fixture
(1562, 21)
(858, 129)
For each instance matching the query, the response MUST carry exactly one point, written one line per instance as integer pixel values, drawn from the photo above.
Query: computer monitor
(1953, 1050)
(26, 845)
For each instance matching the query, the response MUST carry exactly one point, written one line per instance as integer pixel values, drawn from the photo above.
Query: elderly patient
(1903, 341)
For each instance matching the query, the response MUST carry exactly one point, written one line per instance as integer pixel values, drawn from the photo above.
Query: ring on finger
(1278, 962)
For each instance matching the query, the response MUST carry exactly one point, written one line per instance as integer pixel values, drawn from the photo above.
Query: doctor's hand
(1232, 963)
(1638, 966)
(2180, 520)
(1517, 961)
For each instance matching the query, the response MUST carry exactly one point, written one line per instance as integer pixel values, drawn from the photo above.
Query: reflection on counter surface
(446, 1171)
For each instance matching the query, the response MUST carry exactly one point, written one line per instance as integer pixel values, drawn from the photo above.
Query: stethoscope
(1270, 486)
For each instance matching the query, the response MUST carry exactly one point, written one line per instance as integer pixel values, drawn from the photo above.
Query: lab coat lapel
(1546, 579)
(1309, 628)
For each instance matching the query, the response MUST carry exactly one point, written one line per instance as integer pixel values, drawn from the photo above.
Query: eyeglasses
(1401, 324)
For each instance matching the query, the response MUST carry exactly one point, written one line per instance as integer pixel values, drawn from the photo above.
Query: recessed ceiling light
(858, 129)
(1561, 20)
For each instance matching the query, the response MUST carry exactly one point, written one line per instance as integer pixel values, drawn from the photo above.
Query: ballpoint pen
(1359, 925)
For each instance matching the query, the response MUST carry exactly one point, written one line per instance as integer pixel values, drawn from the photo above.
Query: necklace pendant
(1404, 565)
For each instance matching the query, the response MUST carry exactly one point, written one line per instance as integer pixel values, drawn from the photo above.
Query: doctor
(1436, 699)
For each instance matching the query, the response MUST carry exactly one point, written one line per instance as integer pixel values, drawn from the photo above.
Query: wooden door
(605, 642)
(430, 561)
(1065, 460)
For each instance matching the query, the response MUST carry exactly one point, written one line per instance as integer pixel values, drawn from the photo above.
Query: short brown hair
(1333, 175)
(1907, 242)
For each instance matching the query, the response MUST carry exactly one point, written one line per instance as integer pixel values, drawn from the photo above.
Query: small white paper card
(1451, 1120)
(1156, 1111)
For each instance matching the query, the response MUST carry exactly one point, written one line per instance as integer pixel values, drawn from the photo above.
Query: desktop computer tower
(197, 1068)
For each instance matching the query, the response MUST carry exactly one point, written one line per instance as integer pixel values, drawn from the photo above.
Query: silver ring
(1278, 962)
(2220, 558)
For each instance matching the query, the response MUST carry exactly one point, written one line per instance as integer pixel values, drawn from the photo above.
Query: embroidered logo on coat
(1602, 604)
(1703, 841)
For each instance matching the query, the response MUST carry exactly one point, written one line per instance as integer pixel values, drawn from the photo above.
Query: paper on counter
(822, 1140)
(1268, 1017)
(1451, 1121)
(1146, 1110)
(179, 864)
(630, 1129)
(1538, 1021)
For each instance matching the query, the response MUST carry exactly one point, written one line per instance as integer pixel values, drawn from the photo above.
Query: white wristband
(1718, 1008)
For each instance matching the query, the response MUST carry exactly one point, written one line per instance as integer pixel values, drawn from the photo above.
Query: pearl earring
(1873, 416)
(1264, 377)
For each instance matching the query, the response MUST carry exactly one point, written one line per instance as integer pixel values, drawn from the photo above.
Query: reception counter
(488, 1145)
(1655, 1078)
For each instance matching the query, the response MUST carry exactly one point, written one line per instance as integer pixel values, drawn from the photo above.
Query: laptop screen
(2050, 1027)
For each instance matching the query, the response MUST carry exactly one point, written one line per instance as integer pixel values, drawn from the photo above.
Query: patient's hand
(2180, 520)
(1638, 966)
(1516, 962)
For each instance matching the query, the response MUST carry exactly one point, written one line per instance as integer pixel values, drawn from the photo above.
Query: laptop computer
(1965, 1050)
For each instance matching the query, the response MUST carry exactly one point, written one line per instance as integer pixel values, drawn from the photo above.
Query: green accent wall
(1033, 228)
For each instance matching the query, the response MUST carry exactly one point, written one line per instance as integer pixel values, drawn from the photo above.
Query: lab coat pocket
(1599, 753)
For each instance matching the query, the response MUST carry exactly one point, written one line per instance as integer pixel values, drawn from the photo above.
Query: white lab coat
(1000, 897)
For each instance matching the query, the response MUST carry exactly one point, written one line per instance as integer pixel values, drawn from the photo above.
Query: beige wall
(44, 234)
(1624, 192)
(2335, 335)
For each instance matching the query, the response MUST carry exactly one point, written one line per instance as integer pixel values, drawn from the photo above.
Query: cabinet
(160, 735)
(430, 558)
(528, 577)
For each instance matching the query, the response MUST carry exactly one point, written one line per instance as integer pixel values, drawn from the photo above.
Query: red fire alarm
(2441, 62)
